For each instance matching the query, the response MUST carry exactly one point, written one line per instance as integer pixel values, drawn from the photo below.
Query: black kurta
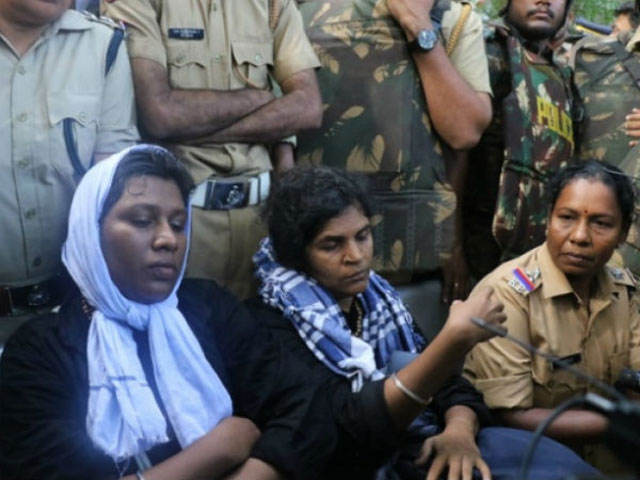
(44, 392)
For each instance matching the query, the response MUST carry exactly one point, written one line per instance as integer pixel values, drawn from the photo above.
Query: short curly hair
(302, 203)
(614, 178)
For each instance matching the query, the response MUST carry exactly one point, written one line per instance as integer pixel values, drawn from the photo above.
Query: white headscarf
(123, 417)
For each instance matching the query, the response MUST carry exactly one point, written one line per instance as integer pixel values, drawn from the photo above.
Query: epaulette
(524, 281)
(621, 276)
(103, 20)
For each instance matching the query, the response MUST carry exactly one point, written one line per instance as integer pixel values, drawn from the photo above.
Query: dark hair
(611, 176)
(301, 204)
(151, 160)
(628, 8)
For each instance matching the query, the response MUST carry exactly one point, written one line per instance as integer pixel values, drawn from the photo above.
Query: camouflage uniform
(609, 91)
(376, 123)
(529, 139)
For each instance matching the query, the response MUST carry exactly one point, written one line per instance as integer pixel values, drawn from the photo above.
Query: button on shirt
(61, 76)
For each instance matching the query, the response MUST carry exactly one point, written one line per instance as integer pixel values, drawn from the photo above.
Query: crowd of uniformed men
(456, 126)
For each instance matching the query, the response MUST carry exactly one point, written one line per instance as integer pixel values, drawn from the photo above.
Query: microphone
(623, 431)
(628, 380)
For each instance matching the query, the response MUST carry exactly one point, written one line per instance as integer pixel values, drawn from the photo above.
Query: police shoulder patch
(524, 281)
(621, 276)
(103, 20)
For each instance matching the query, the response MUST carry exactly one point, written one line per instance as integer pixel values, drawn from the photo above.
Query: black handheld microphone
(628, 380)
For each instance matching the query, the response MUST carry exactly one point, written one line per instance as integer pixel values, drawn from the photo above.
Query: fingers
(483, 468)
(486, 296)
(459, 467)
(632, 123)
(455, 469)
(425, 452)
(467, 468)
(495, 305)
(490, 306)
(437, 468)
(496, 313)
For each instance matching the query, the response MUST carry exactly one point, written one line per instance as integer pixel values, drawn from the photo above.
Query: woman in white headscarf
(121, 383)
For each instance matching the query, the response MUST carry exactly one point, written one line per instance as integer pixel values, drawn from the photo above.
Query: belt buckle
(6, 303)
(38, 296)
(223, 195)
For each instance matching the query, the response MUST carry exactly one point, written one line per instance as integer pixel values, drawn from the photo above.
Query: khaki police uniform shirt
(61, 76)
(601, 340)
(226, 34)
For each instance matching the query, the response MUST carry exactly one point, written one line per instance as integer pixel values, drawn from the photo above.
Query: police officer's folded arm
(168, 113)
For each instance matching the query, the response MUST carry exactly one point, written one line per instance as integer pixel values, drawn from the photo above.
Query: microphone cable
(575, 401)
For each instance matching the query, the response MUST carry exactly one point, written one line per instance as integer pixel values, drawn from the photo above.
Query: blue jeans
(503, 449)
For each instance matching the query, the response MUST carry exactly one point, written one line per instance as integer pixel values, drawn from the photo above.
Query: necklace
(359, 314)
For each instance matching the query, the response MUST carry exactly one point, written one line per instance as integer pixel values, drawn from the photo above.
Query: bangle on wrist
(409, 394)
(139, 475)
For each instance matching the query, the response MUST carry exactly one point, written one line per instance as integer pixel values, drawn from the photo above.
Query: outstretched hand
(632, 126)
(482, 304)
(455, 452)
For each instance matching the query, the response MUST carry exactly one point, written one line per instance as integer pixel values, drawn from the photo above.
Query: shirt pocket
(73, 127)
(187, 66)
(553, 385)
(251, 63)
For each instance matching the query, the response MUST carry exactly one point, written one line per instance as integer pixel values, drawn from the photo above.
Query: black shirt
(366, 435)
(44, 392)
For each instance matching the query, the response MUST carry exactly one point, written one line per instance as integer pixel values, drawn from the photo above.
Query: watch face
(427, 39)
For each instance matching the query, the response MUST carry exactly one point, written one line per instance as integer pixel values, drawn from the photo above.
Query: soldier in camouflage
(607, 76)
(390, 110)
(529, 139)
(626, 18)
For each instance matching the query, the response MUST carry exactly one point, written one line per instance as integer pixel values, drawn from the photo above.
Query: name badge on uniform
(186, 33)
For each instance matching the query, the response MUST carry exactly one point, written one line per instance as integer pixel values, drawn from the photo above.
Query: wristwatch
(425, 40)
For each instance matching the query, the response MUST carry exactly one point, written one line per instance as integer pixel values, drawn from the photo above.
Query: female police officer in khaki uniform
(563, 298)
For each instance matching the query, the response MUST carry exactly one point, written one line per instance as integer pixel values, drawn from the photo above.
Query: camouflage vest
(538, 137)
(375, 123)
(608, 81)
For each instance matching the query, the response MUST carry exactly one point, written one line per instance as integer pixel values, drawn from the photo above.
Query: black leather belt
(15, 300)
